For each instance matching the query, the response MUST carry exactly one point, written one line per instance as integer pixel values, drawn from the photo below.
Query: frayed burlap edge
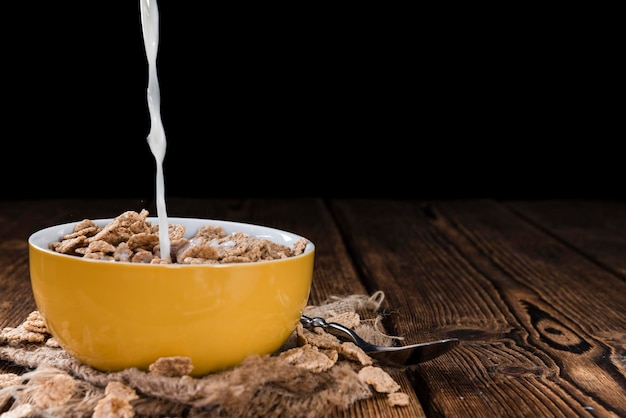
(57, 384)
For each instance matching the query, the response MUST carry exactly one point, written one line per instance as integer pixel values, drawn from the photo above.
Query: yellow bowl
(115, 315)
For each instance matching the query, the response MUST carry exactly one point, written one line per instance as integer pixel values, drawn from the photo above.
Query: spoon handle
(397, 356)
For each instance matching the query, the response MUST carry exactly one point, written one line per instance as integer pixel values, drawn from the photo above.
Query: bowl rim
(40, 240)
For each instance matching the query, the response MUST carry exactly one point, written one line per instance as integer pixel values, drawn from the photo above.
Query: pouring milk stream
(156, 137)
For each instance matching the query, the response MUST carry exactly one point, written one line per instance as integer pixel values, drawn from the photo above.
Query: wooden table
(535, 290)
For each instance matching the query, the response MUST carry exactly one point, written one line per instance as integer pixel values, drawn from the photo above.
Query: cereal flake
(397, 399)
(175, 366)
(310, 357)
(55, 391)
(379, 379)
(131, 238)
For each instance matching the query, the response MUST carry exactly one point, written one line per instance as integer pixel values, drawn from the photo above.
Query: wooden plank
(596, 228)
(524, 304)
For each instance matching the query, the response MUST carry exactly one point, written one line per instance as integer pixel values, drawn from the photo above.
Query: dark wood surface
(535, 290)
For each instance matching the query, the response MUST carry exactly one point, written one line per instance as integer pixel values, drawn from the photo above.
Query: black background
(318, 102)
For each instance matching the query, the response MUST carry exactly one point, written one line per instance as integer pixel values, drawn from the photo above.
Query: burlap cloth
(312, 375)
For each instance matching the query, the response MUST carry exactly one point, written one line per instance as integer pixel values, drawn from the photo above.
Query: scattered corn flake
(20, 335)
(397, 399)
(121, 391)
(174, 366)
(52, 343)
(352, 351)
(35, 322)
(318, 339)
(55, 391)
(379, 379)
(332, 354)
(113, 407)
(310, 357)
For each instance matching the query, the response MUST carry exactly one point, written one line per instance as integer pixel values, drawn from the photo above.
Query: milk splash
(156, 137)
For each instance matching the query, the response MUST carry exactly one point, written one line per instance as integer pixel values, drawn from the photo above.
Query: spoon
(398, 356)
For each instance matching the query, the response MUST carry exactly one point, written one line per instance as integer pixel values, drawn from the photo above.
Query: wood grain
(595, 229)
(542, 326)
(535, 290)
